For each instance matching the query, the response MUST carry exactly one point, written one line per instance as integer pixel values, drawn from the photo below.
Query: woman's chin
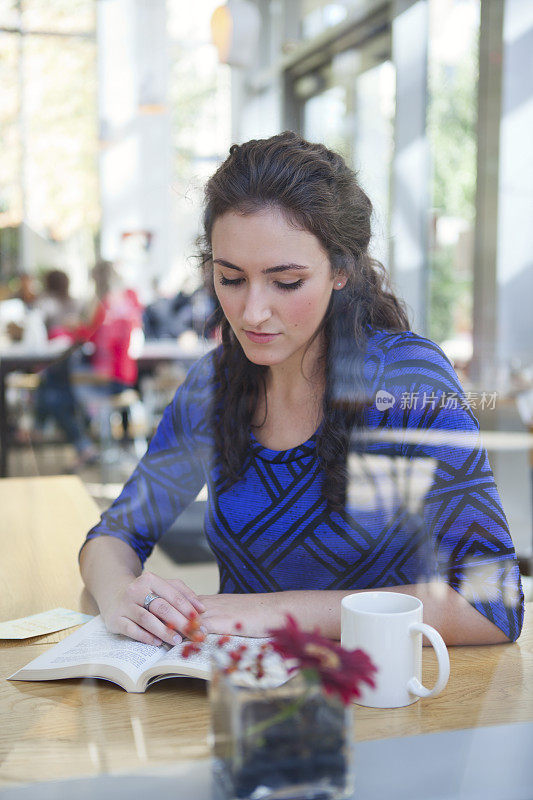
(260, 355)
(262, 360)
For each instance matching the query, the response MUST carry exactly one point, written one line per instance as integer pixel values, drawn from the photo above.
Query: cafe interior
(113, 115)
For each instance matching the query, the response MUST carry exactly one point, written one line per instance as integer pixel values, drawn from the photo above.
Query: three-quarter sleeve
(462, 513)
(170, 474)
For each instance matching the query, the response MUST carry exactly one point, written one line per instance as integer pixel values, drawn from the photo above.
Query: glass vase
(292, 741)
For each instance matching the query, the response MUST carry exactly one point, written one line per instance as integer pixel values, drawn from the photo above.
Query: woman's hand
(256, 613)
(167, 616)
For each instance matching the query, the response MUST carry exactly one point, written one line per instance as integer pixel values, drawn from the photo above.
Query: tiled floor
(103, 479)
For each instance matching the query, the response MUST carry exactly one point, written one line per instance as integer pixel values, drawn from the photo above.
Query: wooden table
(72, 728)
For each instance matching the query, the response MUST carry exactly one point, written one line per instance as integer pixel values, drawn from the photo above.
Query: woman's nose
(256, 308)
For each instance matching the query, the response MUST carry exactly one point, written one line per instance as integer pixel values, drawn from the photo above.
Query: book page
(200, 664)
(94, 652)
(202, 660)
(93, 644)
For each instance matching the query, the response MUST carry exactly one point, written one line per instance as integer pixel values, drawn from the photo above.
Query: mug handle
(443, 659)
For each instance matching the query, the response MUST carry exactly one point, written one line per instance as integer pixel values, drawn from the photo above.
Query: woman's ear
(340, 281)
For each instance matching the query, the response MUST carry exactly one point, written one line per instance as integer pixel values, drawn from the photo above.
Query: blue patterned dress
(422, 503)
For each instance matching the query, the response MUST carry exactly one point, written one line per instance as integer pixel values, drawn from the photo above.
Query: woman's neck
(292, 409)
(299, 377)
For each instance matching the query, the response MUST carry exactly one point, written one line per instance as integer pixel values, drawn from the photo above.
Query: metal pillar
(135, 142)
(514, 344)
(483, 369)
(411, 170)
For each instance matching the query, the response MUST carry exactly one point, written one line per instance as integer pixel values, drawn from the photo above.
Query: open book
(93, 652)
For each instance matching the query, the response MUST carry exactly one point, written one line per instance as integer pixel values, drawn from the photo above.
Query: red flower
(192, 629)
(235, 656)
(340, 671)
(189, 649)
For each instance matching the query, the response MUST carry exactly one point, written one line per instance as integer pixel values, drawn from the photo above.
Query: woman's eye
(227, 282)
(285, 287)
(289, 287)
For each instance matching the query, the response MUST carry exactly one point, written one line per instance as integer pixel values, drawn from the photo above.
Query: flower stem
(281, 715)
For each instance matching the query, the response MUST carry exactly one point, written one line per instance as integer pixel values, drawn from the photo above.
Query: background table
(162, 351)
(87, 727)
(19, 356)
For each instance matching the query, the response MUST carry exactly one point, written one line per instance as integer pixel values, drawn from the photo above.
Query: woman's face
(274, 283)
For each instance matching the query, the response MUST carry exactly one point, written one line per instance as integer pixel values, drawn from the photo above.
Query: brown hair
(104, 275)
(317, 192)
(56, 282)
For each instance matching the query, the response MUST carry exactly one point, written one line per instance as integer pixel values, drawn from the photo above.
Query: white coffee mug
(389, 627)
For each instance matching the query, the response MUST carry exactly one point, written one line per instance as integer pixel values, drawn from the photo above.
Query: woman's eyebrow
(269, 271)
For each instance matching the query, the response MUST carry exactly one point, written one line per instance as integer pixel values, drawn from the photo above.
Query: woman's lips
(260, 338)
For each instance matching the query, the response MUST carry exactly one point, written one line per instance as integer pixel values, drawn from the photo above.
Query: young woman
(314, 424)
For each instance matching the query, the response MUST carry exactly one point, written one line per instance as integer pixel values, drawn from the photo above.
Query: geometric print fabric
(429, 510)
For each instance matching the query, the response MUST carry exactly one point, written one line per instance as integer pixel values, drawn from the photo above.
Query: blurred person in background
(55, 398)
(27, 290)
(20, 318)
(170, 317)
(114, 323)
(115, 318)
(61, 312)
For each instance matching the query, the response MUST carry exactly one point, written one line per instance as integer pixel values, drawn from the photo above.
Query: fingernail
(177, 639)
(204, 630)
(157, 642)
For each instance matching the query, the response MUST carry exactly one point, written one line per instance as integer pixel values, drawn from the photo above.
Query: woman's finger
(167, 616)
(172, 618)
(173, 621)
(128, 627)
(171, 589)
(175, 598)
(155, 622)
(189, 593)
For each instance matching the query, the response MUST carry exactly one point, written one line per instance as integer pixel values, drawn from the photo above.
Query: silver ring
(148, 599)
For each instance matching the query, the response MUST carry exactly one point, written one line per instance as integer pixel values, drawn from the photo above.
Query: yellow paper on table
(57, 619)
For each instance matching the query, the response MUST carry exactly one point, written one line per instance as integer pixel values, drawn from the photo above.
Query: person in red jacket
(117, 314)
(115, 317)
